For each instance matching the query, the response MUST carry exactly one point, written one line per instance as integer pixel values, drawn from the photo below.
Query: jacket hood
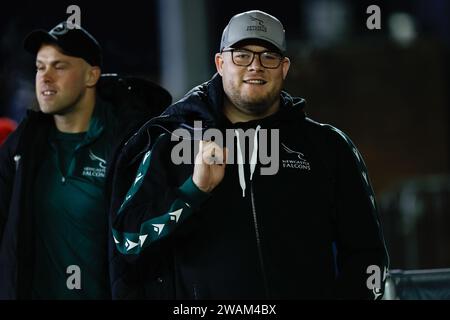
(205, 103)
(133, 95)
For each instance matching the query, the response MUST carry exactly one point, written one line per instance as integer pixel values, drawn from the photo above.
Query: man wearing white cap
(226, 227)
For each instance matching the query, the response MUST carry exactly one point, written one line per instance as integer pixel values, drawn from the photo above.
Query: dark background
(387, 89)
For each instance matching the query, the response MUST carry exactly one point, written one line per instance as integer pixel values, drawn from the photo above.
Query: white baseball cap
(254, 24)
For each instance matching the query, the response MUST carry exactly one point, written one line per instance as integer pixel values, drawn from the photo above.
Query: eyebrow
(55, 62)
(266, 50)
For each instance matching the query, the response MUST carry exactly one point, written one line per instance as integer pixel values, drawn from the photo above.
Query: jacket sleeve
(7, 172)
(156, 203)
(362, 259)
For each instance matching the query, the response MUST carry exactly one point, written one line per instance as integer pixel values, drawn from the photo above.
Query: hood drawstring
(254, 157)
(240, 159)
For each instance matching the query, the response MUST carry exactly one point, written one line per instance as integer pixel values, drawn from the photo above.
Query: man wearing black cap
(225, 227)
(54, 228)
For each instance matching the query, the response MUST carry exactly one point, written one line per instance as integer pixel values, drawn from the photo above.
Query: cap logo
(60, 29)
(261, 26)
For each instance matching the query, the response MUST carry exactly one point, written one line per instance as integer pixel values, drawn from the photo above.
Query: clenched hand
(209, 168)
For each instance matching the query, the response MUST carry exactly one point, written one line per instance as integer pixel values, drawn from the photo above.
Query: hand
(209, 168)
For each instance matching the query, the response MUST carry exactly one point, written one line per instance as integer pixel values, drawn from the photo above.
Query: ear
(92, 76)
(285, 65)
(219, 63)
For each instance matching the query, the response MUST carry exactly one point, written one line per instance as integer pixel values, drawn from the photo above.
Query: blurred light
(327, 21)
(402, 28)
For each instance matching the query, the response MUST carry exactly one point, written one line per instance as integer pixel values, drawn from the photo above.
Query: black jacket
(309, 231)
(132, 102)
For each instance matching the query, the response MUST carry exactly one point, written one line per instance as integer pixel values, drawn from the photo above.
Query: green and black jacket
(310, 230)
(130, 102)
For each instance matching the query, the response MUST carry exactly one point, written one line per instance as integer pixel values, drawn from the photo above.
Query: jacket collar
(205, 103)
(97, 122)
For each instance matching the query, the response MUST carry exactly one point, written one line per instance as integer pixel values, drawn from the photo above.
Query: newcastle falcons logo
(101, 162)
(63, 28)
(261, 26)
(60, 29)
(301, 163)
(261, 23)
(288, 150)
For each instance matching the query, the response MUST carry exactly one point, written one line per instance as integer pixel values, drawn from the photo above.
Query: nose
(256, 63)
(45, 75)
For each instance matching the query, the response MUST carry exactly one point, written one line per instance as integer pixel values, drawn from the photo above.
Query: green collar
(97, 123)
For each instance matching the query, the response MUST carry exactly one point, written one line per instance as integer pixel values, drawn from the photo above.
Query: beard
(253, 105)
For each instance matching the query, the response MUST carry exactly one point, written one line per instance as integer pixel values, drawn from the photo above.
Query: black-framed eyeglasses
(244, 57)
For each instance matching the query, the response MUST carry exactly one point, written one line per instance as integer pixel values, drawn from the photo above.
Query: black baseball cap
(71, 38)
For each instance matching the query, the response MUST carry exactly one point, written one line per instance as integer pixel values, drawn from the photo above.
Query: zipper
(16, 160)
(258, 243)
(195, 292)
(58, 163)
